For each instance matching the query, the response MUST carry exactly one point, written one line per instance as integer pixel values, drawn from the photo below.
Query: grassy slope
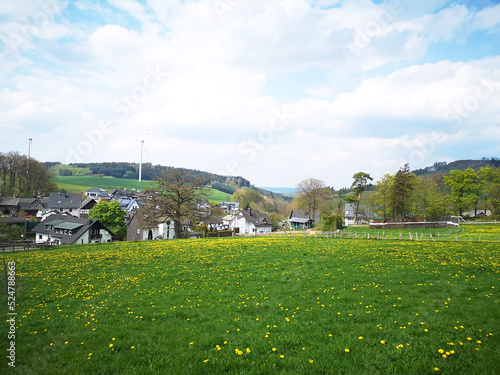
(79, 184)
(195, 306)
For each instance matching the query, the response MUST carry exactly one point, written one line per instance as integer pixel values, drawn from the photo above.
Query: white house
(252, 222)
(349, 217)
(66, 230)
(96, 193)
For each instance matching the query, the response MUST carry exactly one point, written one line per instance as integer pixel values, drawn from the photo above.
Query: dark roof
(78, 226)
(301, 220)
(303, 214)
(96, 190)
(257, 218)
(13, 220)
(8, 201)
(64, 200)
(30, 203)
(88, 203)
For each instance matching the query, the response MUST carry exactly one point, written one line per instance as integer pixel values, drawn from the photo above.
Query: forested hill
(444, 167)
(226, 184)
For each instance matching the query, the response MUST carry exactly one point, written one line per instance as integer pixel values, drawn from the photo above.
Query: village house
(86, 206)
(230, 207)
(302, 219)
(96, 193)
(142, 228)
(65, 202)
(252, 222)
(349, 217)
(67, 230)
(12, 206)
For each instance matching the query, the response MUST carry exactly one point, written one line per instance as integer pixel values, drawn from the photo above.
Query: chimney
(249, 211)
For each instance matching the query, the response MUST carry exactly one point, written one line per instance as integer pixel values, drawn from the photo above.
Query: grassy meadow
(258, 306)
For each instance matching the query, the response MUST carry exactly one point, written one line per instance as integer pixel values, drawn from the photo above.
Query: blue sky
(275, 91)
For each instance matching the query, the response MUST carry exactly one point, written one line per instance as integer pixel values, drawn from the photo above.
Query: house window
(39, 236)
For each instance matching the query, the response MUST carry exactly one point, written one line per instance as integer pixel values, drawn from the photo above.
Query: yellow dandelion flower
(282, 356)
(382, 342)
(205, 361)
(110, 345)
(441, 351)
(360, 337)
(347, 350)
(311, 361)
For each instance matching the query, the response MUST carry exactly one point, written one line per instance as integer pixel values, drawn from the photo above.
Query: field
(78, 184)
(258, 306)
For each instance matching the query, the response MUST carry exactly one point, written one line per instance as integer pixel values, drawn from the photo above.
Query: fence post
(5, 277)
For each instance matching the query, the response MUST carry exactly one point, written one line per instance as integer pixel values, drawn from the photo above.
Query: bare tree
(175, 196)
(312, 193)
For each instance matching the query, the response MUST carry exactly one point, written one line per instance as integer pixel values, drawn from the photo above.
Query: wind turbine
(142, 147)
(30, 141)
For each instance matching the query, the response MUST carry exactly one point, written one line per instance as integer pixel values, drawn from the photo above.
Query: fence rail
(16, 245)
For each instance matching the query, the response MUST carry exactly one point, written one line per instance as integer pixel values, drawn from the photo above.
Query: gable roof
(8, 201)
(88, 203)
(74, 226)
(257, 218)
(303, 214)
(64, 200)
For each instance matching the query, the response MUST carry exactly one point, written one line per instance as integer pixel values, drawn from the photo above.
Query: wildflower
(360, 337)
(274, 349)
(248, 350)
(436, 369)
(110, 345)
(441, 351)
(205, 361)
(282, 356)
(347, 350)
(382, 342)
(311, 361)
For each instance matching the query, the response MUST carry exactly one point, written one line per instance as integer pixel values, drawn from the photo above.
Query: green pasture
(257, 306)
(78, 184)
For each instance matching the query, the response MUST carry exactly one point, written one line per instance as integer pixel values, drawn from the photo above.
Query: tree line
(21, 176)
(404, 195)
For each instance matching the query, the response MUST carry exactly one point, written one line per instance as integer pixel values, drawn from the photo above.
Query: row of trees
(23, 177)
(404, 194)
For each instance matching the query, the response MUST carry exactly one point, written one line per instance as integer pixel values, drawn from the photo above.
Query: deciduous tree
(175, 196)
(311, 194)
(111, 216)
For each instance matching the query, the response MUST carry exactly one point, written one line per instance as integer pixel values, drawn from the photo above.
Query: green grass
(166, 307)
(78, 184)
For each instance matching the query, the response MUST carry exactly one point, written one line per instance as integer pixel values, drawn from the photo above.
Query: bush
(332, 222)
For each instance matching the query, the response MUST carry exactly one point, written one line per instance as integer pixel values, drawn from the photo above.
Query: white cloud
(368, 95)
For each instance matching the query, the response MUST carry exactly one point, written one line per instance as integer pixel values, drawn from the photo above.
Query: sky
(274, 91)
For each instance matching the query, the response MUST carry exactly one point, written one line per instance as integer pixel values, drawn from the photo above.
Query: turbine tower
(30, 141)
(140, 165)
(142, 147)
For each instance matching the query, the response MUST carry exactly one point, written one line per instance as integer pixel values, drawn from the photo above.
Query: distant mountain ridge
(444, 167)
